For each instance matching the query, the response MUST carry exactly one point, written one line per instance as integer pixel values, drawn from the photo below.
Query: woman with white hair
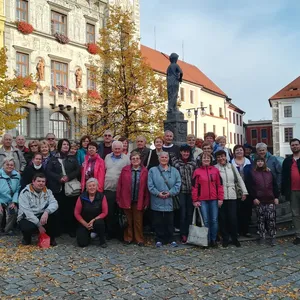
(273, 163)
(90, 211)
(114, 163)
(9, 192)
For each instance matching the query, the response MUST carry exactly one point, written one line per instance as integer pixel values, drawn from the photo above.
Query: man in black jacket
(291, 184)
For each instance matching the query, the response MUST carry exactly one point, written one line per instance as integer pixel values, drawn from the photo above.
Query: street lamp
(202, 114)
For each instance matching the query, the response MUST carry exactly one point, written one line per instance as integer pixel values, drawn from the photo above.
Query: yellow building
(2, 23)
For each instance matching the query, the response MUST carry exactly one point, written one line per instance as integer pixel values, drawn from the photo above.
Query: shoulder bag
(72, 187)
(176, 201)
(149, 157)
(238, 189)
(198, 235)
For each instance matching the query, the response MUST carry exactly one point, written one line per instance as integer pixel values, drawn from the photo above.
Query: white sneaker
(93, 235)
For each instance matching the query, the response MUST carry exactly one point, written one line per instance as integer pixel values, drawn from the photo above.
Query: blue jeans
(209, 210)
(186, 213)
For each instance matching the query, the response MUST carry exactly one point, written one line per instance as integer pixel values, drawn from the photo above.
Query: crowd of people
(59, 187)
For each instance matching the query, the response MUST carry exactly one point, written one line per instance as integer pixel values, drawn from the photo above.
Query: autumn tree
(130, 98)
(14, 93)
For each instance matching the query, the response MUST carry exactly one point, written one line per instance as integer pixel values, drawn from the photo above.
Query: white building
(286, 117)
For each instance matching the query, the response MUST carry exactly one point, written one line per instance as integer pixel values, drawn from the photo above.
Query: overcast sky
(249, 48)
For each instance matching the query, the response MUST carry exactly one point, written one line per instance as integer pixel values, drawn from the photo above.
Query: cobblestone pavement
(132, 272)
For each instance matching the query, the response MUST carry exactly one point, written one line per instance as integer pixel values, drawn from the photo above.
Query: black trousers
(113, 229)
(28, 228)
(163, 223)
(83, 235)
(66, 207)
(228, 220)
(244, 213)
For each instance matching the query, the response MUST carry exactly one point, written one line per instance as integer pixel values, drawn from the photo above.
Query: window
(233, 118)
(214, 129)
(22, 64)
(59, 74)
(242, 142)
(182, 94)
(241, 121)
(192, 127)
(210, 110)
(288, 134)
(91, 80)
(58, 23)
(254, 134)
(201, 104)
(204, 128)
(224, 131)
(23, 125)
(22, 10)
(238, 138)
(59, 125)
(288, 111)
(220, 112)
(237, 119)
(263, 133)
(192, 97)
(90, 33)
(230, 117)
(234, 137)
(230, 137)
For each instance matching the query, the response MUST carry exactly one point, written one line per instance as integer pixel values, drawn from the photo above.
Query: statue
(174, 78)
(78, 75)
(40, 67)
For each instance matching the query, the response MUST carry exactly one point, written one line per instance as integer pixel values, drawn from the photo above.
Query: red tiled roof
(160, 62)
(292, 90)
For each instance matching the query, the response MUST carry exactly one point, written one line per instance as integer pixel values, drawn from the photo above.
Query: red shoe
(183, 239)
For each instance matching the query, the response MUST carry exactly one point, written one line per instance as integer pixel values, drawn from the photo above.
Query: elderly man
(168, 145)
(7, 150)
(37, 207)
(50, 137)
(141, 148)
(20, 144)
(272, 162)
(105, 147)
(114, 163)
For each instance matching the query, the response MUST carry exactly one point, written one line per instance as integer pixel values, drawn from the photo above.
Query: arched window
(23, 125)
(59, 124)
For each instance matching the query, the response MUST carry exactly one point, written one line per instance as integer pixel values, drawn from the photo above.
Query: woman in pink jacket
(133, 197)
(208, 193)
(93, 167)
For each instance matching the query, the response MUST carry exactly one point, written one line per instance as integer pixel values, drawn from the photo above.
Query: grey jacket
(20, 162)
(33, 204)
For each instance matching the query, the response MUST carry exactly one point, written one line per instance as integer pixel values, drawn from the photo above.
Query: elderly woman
(228, 212)
(9, 192)
(90, 211)
(207, 149)
(272, 162)
(125, 142)
(45, 151)
(152, 159)
(62, 168)
(244, 210)
(186, 166)
(133, 197)
(208, 194)
(114, 163)
(191, 141)
(93, 166)
(164, 182)
(34, 147)
(83, 145)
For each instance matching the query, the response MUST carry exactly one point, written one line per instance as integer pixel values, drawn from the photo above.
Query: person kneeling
(37, 210)
(90, 211)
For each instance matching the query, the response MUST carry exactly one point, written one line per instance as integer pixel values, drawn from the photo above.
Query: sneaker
(140, 244)
(126, 243)
(273, 242)
(93, 235)
(158, 244)
(174, 244)
(296, 241)
(183, 239)
(53, 242)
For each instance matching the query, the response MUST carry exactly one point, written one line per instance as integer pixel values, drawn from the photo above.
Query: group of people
(82, 189)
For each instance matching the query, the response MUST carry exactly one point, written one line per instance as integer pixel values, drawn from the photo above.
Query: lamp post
(202, 113)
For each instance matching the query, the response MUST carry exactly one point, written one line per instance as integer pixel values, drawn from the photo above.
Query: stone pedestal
(175, 122)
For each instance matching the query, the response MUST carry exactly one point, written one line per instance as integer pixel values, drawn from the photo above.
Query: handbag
(238, 189)
(43, 240)
(72, 187)
(123, 221)
(176, 201)
(198, 235)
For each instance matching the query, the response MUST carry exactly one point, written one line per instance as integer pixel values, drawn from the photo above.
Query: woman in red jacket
(133, 197)
(93, 167)
(208, 193)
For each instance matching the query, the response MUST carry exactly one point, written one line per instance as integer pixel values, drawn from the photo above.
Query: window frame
(214, 129)
(55, 22)
(21, 64)
(261, 133)
(62, 120)
(23, 123)
(191, 96)
(288, 111)
(253, 130)
(182, 94)
(55, 72)
(20, 10)
(204, 128)
(229, 116)
(233, 118)
(192, 127)
(91, 82)
(91, 34)
(286, 134)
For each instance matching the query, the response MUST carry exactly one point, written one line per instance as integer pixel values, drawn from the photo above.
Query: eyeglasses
(107, 135)
(50, 139)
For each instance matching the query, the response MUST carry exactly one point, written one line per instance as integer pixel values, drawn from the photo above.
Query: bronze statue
(40, 67)
(174, 78)
(78, 75)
